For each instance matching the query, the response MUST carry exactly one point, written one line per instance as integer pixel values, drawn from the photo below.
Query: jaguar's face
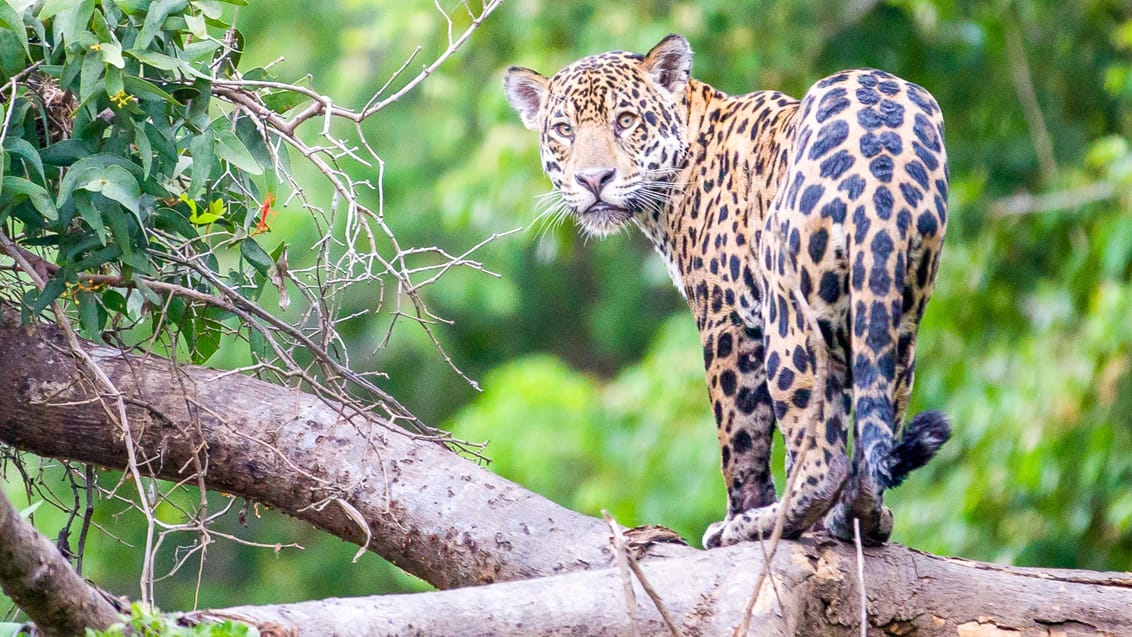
(612, 135)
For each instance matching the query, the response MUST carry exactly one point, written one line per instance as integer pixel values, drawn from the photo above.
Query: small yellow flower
(97, 46)
(121, 98)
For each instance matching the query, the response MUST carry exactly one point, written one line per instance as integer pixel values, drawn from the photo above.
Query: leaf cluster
(119, 166)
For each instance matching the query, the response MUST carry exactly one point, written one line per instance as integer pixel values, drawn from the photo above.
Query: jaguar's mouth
(603, 218)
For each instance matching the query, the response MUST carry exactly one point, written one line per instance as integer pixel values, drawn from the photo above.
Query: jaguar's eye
(564, 129)
(625, 121)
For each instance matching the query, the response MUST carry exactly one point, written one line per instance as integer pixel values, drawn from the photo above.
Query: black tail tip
(919, 442)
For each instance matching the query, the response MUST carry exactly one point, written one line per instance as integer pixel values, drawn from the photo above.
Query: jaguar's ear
(669, 63)
(526, 91)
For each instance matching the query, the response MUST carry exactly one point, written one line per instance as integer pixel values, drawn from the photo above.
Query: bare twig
(821, 369)
(621, 547)
(861, 577)
(621, 555)
(1028, 97)
(635, 566)
(1027, 203)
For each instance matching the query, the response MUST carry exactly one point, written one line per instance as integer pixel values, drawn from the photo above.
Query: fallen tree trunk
(454, 524)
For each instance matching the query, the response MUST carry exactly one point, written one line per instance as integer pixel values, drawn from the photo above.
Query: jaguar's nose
(595, 180)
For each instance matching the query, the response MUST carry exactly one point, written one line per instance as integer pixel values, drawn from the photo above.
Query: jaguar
(805, 236)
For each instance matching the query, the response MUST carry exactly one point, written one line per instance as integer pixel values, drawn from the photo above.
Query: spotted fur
(800, 232)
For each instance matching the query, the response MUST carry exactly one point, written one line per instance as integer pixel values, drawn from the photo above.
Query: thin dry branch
(1027, 203)
(1028, 97)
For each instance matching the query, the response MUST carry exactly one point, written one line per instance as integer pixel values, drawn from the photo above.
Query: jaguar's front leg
(736, 380)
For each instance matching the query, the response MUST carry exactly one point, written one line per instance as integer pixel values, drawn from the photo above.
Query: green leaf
(252, 139)
(172, 220)
(283, 101)
(154, 18)
(36, 193)
(145, 150)
(114, 182)
(145, 90)
(91, 316)
(215, 211)
(196, 25)
(67, 152)
(11, 21)
(26, 512)
(232, 150)
(112, 54)
(166, 151)
(256, 256)
(200, 52)
(257, 345)
(205, 340)
(21, 148)
(113, 301)
(100, 29)
(158, 60)
(13, 52)
(259, 74)
(97, 259)
(210, 8)
(51, 291)
(91, 71)
(71, 23)
(9, 629)
(201, 149)
(53, 7)
(84, 201)
(115, 88)
(81, 171)
(120, 229)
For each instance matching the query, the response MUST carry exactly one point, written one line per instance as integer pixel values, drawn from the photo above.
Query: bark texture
(41, 582)
(814, 592)
(454, 524)
(430, 511)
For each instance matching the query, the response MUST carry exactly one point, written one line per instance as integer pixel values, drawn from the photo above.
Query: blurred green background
(589, 362)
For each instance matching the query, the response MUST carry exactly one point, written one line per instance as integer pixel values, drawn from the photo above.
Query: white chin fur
(602, 221)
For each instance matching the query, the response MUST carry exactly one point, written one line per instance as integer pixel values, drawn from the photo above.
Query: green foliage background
(593, 391)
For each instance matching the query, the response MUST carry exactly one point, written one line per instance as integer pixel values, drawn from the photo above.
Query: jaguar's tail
(919, 442)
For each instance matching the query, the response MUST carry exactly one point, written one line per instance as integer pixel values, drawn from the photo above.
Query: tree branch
(430, 511)
(910, 593)
(41, 582)
(447, 520)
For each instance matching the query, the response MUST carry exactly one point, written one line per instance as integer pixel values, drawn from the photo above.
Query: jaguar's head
(612, 130)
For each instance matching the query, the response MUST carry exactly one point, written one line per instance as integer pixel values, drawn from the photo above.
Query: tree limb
(41, 582)
(430, 511)
(910, 593)
(449, 521)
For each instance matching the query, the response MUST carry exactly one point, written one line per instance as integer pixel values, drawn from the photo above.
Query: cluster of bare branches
(357, 250)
